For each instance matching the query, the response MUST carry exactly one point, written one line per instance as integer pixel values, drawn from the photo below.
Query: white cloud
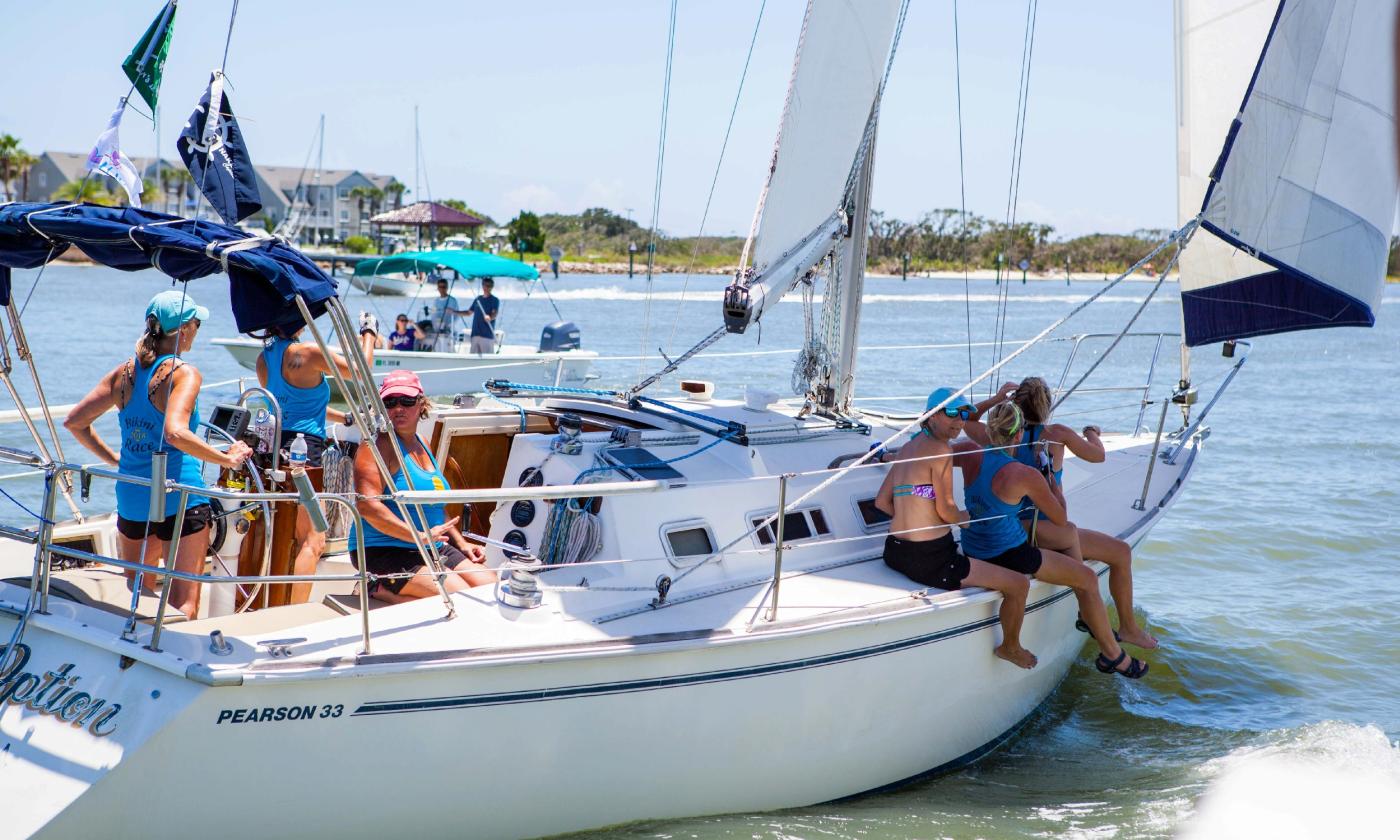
(533, 197)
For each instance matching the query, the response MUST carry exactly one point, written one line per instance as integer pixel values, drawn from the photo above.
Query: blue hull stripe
(631, 686)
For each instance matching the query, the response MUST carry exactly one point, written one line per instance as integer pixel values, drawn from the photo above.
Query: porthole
(531, 477)
(522, 513)
(516, 537)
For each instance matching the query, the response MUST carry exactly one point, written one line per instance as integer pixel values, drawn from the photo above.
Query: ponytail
(148, 345)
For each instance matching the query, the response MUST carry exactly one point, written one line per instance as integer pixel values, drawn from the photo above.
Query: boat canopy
(265, 274)
(465, 263)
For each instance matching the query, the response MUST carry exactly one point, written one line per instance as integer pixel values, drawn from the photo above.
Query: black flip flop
(1084, 628)
(1137, 669)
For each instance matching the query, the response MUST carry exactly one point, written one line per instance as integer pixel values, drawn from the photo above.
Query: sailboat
(693, 617)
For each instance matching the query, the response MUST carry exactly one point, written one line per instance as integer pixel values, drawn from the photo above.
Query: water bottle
(296, 453)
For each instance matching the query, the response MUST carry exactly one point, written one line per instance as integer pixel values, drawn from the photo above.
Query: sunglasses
(400, 402)
(961, 412)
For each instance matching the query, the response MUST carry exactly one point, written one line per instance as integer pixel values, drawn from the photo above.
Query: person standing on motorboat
(995, 486)
(484, 310)
(156, 394)
(918, 493)
(388, 536)
(1043, 449)
(296, 375)
(446, 311)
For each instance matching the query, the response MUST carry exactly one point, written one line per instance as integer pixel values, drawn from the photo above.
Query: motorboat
(414, 273)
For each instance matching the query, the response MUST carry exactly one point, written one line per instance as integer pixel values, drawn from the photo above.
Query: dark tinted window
(871, 514)
(688, 542)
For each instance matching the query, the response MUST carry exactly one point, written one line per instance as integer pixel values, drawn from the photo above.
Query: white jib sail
(840, 63)
(1218, 44)
(1307, 179)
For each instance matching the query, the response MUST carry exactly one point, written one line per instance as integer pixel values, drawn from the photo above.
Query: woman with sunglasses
(1042, 447)
(156, 395)
(995, 486)
(296, 374)
(405, 334)
(388, 536)
(918, 493)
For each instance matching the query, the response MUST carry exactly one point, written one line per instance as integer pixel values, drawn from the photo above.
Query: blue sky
(554, 106)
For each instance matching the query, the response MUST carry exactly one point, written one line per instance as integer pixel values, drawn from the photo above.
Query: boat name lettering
(275, 714)
(53, 693)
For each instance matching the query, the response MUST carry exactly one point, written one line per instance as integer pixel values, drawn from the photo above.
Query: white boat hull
(461, 372)
(389, 285)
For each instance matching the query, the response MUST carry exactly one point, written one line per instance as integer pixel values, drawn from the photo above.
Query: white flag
(107, 158)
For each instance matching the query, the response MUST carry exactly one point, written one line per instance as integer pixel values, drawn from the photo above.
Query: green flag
(147, 60)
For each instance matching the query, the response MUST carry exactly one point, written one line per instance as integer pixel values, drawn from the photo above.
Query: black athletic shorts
(1024, 558)
(315, 445)
(393, 559)
(935, 563)
(197, 518)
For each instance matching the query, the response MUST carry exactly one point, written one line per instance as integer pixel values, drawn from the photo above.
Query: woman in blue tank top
(296, 374)
(994, 487)
(388, 534)
(156, 395)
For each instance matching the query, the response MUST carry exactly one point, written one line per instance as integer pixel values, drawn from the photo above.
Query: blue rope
(25, 509)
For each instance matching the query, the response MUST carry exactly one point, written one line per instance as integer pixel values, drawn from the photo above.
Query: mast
(838, 383)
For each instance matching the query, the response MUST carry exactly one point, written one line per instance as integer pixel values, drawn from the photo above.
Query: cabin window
(688, 539)
(874, 518)
(797, 525)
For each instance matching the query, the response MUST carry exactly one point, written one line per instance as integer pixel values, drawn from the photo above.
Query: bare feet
(1137, 637)
(1017, 656)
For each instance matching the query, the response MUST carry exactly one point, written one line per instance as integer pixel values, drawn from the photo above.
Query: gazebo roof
(428, 213)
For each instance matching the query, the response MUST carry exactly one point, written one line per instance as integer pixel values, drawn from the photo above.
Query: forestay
(841, 61)
(1297, 211)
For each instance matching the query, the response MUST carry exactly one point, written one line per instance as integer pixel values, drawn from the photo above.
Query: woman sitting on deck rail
(1043, 448)
(388, 536)
(995, 486)
(156, 396)
(918, 493)
(295, 374)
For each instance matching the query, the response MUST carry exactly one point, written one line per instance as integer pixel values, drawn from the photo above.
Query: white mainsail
(840, 65)
(1296, 221)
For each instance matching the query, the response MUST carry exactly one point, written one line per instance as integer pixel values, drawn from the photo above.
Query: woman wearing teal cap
(918, 494)
(156, 395)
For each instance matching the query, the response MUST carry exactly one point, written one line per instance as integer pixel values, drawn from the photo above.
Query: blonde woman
(995, 486)
(1042, 447)
(918, 493)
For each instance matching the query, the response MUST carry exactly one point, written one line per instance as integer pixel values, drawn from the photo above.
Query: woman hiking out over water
(1042, 448)
(995, 486)
(156, 395)
(918, 493)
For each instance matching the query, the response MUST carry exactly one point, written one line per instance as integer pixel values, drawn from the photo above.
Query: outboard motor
(560, 335)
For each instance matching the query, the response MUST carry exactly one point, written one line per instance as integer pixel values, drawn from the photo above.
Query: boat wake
(1322, 780)
(714, 296)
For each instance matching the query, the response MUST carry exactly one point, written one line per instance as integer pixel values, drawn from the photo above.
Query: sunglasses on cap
(962, 412)
(400, 402)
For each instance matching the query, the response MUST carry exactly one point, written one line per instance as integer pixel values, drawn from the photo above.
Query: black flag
(212, 148)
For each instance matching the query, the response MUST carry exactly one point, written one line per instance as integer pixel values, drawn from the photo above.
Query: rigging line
(228, 39)
(962, 187)
(1017, 154)
(660, 171)
(704, 216)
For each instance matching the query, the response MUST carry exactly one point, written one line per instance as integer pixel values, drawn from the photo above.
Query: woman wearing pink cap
(388, 535)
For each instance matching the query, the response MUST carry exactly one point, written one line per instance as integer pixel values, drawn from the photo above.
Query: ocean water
(1273, 705)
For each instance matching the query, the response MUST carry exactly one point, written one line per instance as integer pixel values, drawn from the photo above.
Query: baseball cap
(401, 383)
(173, 308)
(941, 394)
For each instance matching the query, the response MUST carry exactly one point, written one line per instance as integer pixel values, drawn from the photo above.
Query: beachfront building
(339, 202)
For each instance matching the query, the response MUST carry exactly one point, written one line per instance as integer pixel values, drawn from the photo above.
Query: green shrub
(359, 244)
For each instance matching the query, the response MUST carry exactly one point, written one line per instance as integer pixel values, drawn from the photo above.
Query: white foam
(606, 293)
(1322, 781)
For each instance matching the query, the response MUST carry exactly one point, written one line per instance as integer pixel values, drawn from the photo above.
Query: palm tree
(365, 196)
(174, 183)
(13, 161)
(91, 190)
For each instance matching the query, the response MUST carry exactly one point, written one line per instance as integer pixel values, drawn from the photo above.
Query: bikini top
(922, 491)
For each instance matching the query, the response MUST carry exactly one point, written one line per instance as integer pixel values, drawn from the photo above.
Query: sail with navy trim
(1298, 209)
